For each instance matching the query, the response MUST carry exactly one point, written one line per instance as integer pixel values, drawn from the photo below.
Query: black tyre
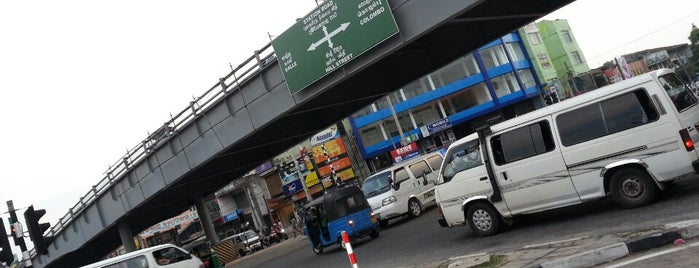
(483, 219)
(383, 223)
(374, 233)
(241, 252)
(414, 208)
(632, 188)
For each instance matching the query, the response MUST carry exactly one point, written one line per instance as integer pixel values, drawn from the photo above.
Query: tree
(693, 64)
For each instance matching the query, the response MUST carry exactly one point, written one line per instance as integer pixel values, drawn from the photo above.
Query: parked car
(249, 238)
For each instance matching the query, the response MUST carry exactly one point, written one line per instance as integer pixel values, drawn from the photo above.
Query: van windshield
(678, 92)
(460, 158)
(377, 184)
(249, 234)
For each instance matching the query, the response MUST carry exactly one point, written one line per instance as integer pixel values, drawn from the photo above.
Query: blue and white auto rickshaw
(343, 209)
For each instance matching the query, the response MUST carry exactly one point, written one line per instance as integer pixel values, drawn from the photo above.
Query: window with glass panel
(607, 117)
(516, 53)
(471, 65)
(467, 98)
(505, 84)
(521, 143)
(425, 114)
(405, 123)
(450, 73)
(383, 103)
(493, 57)
(566, 36)
(544, 60)
(527, 78)
(534, 38)
(363, 112)
(416, 88)
(576, 57)
(371, 134)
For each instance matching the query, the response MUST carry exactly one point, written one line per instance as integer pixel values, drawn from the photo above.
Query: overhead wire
(644, 36)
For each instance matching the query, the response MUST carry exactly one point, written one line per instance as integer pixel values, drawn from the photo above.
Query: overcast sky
(82, 81)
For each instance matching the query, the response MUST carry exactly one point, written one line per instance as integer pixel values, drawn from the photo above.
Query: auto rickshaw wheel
(374, 234)
(317, 251)
(383, 223)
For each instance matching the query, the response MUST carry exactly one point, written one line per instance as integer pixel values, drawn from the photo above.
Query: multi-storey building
(556, 56)
(493, 83)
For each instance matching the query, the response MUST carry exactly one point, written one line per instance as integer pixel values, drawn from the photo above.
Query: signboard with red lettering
(405, 152)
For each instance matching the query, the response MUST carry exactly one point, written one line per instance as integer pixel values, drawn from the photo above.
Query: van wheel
(632, 188)
(483, 219)
(241, 252)
(414, 208)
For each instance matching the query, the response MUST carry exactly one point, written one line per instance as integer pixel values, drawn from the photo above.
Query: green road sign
(331, 35)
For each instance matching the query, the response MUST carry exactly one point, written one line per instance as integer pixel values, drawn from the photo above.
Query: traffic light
(36, 229)
(16, 229)
(5, 249)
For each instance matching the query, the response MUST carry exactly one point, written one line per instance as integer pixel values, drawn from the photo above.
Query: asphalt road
(421, 242)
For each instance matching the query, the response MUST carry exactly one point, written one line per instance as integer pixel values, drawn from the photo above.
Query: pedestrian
(313, 226)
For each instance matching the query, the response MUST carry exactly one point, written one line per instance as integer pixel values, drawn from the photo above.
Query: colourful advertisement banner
(292, 188)
(337, 165)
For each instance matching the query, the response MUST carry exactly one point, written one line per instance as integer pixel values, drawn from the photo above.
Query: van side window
(435, 161)
(521, 143)
(678, 92)
(136, 262)
(169, 255)
(460, 158)
(606, 117)
(419, 168)
(401, 175)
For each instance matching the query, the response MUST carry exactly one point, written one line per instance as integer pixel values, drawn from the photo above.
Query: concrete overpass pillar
(205, 221)
(126, 236)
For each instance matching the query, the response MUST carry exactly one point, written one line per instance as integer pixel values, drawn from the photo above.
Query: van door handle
(504, 175)
(484, 179)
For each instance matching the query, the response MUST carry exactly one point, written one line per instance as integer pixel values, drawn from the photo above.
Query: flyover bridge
(250, 116)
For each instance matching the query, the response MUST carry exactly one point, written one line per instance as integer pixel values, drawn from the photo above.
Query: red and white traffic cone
(348, 247)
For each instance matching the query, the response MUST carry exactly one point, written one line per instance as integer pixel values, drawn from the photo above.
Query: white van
(405, 188)
(249, 240)
(165, 255)
(626, 140)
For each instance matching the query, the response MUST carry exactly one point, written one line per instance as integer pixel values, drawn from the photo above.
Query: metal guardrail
(229, 84)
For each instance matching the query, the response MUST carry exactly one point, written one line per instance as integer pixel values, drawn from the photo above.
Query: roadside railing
(226, 85)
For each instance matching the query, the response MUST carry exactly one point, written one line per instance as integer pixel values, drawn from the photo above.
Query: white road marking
(653, 255)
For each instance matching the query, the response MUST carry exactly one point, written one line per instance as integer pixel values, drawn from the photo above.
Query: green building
(557, 58)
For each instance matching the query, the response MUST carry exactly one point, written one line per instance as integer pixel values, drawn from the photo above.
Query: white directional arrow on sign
(327, 36)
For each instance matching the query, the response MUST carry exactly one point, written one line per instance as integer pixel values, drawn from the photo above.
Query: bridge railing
(226, 85)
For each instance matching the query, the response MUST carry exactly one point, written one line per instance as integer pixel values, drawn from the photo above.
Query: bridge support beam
(126, 236)
(205, 221)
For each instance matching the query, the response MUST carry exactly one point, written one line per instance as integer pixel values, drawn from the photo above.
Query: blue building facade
(494, 83)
